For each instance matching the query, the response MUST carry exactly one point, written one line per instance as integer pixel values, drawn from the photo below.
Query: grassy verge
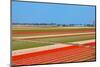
(67, 38)
(16, 45)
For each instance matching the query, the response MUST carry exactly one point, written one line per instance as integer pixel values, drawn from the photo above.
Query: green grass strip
(16, 45)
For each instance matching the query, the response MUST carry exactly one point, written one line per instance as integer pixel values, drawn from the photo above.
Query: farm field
(37, 42)
(59, 55)
(18, 44)
(24, 31)
(24, 38)
(34, 42)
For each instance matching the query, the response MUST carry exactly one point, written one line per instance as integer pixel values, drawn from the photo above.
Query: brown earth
(50, 32)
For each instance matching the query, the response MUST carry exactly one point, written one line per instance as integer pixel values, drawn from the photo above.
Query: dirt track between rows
(83, 42)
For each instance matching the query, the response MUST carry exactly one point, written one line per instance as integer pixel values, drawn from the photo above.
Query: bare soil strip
(57, 35)
(82, 42)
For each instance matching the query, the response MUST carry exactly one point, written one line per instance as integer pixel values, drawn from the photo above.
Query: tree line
(54, 24)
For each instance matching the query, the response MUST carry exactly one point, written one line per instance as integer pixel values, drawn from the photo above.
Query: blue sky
(27, 12)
